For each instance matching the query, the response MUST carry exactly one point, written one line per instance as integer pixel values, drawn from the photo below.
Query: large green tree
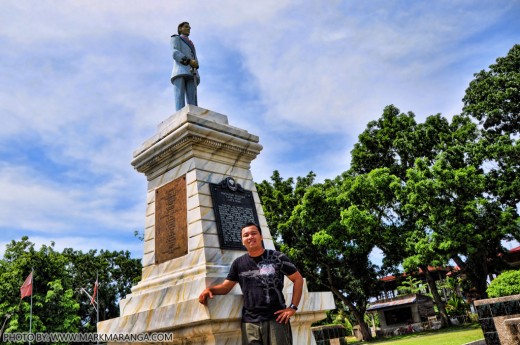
(444, 209)
(394, 143)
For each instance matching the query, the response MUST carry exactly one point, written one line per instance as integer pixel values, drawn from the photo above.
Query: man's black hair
(179, 27)
(251, 224)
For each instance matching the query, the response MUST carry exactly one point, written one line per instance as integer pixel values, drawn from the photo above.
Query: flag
(93, 298)
(26, 288)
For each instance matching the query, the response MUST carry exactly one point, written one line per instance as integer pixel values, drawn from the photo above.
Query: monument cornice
(195, 133)
(198, 146)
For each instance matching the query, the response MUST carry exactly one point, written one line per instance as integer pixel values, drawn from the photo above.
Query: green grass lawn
(451, 336)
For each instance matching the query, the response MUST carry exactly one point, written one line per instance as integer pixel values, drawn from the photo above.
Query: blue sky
(84, 83)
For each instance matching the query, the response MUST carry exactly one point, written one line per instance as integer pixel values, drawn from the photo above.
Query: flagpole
(94, 300)
(30, 315)
(97, 307)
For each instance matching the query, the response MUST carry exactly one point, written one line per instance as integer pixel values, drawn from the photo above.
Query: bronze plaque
(171, 223)
(233, 207)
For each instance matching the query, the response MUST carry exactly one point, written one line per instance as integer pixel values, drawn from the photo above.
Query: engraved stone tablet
(171, 229)
(233, 207)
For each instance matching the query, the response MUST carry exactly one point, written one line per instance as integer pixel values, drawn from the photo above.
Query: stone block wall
(492, 314)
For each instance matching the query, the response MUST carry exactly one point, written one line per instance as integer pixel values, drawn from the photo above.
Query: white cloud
(395, 55)
(31, 202)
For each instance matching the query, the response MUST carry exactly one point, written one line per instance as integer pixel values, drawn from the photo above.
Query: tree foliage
(279, 198)
(493, 98)
(411, 285)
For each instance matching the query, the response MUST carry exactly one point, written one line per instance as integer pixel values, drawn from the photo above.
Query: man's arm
(285, 314)
(178, 54)
(297, 280)
(220, 289)
(175, 43)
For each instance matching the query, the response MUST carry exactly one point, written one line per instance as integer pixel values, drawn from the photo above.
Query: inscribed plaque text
(171, 230)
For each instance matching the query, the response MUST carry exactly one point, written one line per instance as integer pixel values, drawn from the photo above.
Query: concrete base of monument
(189, 322)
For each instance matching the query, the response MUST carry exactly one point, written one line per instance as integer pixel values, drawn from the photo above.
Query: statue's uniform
(184, 78)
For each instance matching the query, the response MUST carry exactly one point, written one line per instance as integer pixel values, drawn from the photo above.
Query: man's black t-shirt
(261, 281)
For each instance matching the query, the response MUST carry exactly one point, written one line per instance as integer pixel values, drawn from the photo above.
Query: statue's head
(184, 28)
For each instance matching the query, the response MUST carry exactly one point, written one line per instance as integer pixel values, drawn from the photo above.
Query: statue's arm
(178, 55)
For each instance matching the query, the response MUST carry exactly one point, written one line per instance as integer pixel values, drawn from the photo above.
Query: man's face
(251, 238)
(185, 29)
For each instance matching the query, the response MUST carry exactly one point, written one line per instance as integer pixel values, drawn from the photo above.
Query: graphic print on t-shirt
(266, 269)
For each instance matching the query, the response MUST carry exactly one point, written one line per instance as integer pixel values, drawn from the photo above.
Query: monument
(200, 188)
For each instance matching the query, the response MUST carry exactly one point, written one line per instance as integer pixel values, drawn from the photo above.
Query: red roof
(401, 301)
(515, 250)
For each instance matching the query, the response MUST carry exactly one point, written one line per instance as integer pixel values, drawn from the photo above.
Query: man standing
(265, 317)
(185, 76)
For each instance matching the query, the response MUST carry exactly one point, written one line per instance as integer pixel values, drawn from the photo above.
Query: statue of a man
(185, 76)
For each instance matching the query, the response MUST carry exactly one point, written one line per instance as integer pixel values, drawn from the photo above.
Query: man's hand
(194, 63)
(220, 289)
(203, 298)
(284, 315)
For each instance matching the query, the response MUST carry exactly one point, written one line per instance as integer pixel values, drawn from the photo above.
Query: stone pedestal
(197, 147)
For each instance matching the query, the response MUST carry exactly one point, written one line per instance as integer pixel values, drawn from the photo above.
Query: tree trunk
(477, 276)
(358, 314)
(445, 320)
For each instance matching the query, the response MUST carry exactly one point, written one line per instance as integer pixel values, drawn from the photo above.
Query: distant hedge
(506, 284)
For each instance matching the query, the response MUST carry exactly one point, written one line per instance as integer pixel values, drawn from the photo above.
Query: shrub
(456, 306)
(506, 284)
